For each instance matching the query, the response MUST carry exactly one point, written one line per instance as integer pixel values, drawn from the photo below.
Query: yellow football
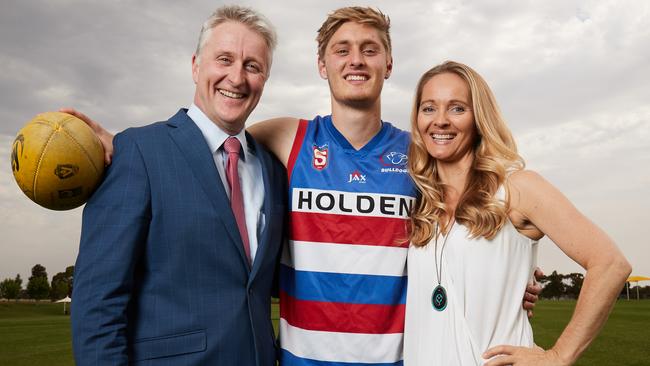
(57, 160)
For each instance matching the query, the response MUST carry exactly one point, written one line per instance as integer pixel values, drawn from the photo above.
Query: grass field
(39, 334)
(34, 334)
(625, 340)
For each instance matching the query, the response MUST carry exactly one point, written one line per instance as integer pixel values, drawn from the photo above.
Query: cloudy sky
(571, 77)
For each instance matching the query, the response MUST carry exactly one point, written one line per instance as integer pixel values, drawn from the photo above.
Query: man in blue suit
(180, 243)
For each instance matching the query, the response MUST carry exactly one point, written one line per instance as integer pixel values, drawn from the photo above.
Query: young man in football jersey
(343, 273)
(342, 277)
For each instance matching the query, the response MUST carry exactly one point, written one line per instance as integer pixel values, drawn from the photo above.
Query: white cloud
(595, 136)
(571, 77)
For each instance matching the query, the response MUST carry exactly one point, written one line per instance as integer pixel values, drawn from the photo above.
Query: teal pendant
(439, 298)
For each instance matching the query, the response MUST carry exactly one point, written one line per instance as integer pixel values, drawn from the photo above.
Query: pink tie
(232, 147)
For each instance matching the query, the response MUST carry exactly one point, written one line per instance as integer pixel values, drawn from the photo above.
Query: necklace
(439, 295)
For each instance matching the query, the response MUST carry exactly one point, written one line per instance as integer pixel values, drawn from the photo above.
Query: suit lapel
(191, 143)
(263, 240)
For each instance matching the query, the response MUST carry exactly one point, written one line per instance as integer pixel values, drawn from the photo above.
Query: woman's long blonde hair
(495, 154)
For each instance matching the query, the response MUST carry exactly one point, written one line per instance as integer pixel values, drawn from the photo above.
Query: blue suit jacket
(161, 276)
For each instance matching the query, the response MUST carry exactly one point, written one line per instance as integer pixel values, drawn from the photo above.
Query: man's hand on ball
(105, 137)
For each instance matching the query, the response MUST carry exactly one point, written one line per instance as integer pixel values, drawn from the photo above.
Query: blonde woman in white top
(475, 228)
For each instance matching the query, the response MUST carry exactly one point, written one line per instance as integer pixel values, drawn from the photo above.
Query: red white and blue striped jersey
(343, 273)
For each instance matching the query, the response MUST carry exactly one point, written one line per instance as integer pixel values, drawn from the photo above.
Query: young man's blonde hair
(357, 14)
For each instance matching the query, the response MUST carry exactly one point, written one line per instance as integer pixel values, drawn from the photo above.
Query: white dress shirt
(249, 168)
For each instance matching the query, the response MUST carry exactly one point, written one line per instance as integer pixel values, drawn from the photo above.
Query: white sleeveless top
(485, 282)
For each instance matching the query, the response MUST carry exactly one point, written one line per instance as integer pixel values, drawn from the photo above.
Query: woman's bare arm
(550, 211)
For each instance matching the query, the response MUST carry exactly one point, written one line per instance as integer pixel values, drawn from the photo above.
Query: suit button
(250, 291)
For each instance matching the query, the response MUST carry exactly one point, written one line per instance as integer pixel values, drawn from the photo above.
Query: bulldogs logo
(394, 158)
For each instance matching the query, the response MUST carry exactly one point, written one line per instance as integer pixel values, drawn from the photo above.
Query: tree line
(561, 286)
(555, 286)
(38, 287)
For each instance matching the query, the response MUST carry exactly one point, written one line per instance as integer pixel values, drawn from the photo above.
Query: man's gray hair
(244, 15)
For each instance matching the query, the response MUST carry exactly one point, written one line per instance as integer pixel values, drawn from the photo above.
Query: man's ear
(389, 67)
(195, 68)
(322, 70)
